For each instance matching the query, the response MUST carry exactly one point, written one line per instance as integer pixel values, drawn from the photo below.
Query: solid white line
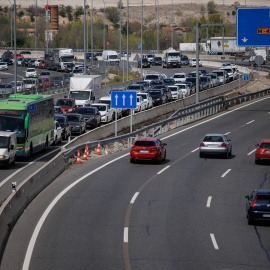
(134, 197)
(224, 174)
(17, 171)
(126, 235)
(195, 150)
(214, 241)
(227, 133)
(250, 122)
(209, 201)
(251, 152)
(164, 169)
(33, 239)
(216, 117)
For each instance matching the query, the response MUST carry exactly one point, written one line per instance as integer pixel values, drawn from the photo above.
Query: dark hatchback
(91, 116)
(158, 96)
(145, 63)
(157, 61)
(77, 122)
(258, 206)
(63, 121)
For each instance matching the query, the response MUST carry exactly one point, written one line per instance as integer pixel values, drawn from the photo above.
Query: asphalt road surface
(186, 213)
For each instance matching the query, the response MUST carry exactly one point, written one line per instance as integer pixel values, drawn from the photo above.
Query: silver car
(215, 144)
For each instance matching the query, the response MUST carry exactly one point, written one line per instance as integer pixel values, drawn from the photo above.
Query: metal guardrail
(181, 117)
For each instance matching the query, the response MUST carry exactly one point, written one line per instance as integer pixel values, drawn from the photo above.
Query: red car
(263, 151)
(41, 64)
(148, 149)
(67, 104)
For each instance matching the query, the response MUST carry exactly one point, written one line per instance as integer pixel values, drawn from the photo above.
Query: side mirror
(247, 197)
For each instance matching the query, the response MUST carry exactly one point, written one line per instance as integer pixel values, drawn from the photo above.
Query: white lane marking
(251, 152)
(250, 122)
(214, 241)
(134, 197)
(161, 171)
(195, 150)
(227, 133)
(208, 203)
(33, 239)
(126, 235)
(224, 174)
(216, 117)
(17, 171)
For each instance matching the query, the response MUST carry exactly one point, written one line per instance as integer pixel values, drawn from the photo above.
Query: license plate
(266, 215)
(144, 151)
(267, 151)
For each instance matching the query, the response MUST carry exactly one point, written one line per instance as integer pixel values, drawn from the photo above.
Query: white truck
(191, 47)
(8, 148)
(110, 56)
(257, 52)
(171, 58)
(215, 46)
(57, 59)
(85, 89)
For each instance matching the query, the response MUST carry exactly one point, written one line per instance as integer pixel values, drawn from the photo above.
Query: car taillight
(134, 148)
(254, 202)
(223, 144)
(201, 144)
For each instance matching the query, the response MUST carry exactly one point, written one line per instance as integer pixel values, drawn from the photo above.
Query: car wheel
(230, 152)
(133, 160)
(257, 161)
(60, 140)
(80, 131)
(201, 155)
(250, 220)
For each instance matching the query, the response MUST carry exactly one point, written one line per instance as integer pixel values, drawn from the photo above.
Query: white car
(192, 62)
(176, 92)
(31, 73)
(57, 133)
(146, 97)
(141, 104)
(105, 111)
(108, 100)
(3, 66)
(151, 77)
(179, 77)
(20, 86)
(184, 88)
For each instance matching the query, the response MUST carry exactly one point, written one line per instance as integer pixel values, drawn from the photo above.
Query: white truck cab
(8, 148)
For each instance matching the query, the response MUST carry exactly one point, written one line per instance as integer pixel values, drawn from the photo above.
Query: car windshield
(179, 76)
(154, 92)
(30, 70)
(144, 96)
(28, 81)
(100, 107)
(264, 199)
(61, 120)
(204, 79)
(219, 73)
(73, 118)
(213, 139)
(168, 80)
(4, 142)
(45, 73)
(265, 146)
(86, 111)
(181, 86)
(151, 77)
(134, 86)
(191, 79)
(173, 89)
(156, 83)
(145, 143)
(63, 102)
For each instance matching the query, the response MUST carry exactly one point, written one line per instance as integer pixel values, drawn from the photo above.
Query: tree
(212, 7)
(112, 14)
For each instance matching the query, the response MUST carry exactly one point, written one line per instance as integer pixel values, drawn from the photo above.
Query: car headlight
(70, 110)
(3, 157)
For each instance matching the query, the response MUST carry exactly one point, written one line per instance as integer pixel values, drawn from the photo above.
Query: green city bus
(32, 118)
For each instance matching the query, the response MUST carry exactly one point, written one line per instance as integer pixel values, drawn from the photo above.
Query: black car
(145, 84)
(258, 205)
(169, 81)
(145, 63)
(77, 123)
(158, 96)
(206, 82)
(31, 63)
(157, 61)
(88, 56)
(91, 116)
(184, 60)
(193, 81)
(135, 87)
(25, 62)
(159, 83)
(7, 55)
(66, 128)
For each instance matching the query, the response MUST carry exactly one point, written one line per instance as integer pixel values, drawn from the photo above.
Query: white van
(110, 56)
(8, 148)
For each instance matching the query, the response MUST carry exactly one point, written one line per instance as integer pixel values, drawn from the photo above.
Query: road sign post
(123, 100)
(253, 27)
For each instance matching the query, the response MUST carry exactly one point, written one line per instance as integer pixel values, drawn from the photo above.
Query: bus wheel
(31, 150)
(46, 145)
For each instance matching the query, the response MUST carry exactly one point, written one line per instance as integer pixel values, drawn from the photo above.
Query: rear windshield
(263, 199)
(151, 77)
(213, 139)
(265, 146)
(145, 143)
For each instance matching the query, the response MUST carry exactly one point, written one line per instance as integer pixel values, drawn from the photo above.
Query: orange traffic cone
(98, 149)
(87, 151)
(84, 155)
(78, 157)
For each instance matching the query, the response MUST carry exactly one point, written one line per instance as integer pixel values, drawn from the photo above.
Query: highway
(186, 213)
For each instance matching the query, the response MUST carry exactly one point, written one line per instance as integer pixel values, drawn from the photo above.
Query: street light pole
(47, 39)
(223, 31)
(92, 43)
(104, 26)
(158, 28)
(141, 35)
(36, 27)
(10, 25)
(84, 40)
(127, 37)
(172, 27)
(15, 50)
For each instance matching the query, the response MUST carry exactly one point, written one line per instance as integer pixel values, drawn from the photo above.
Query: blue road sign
(124, 99)
(253, 27)
(139, 46)
(246, 76)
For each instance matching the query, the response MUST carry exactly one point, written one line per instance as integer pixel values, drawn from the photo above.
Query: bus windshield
(12, 120)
